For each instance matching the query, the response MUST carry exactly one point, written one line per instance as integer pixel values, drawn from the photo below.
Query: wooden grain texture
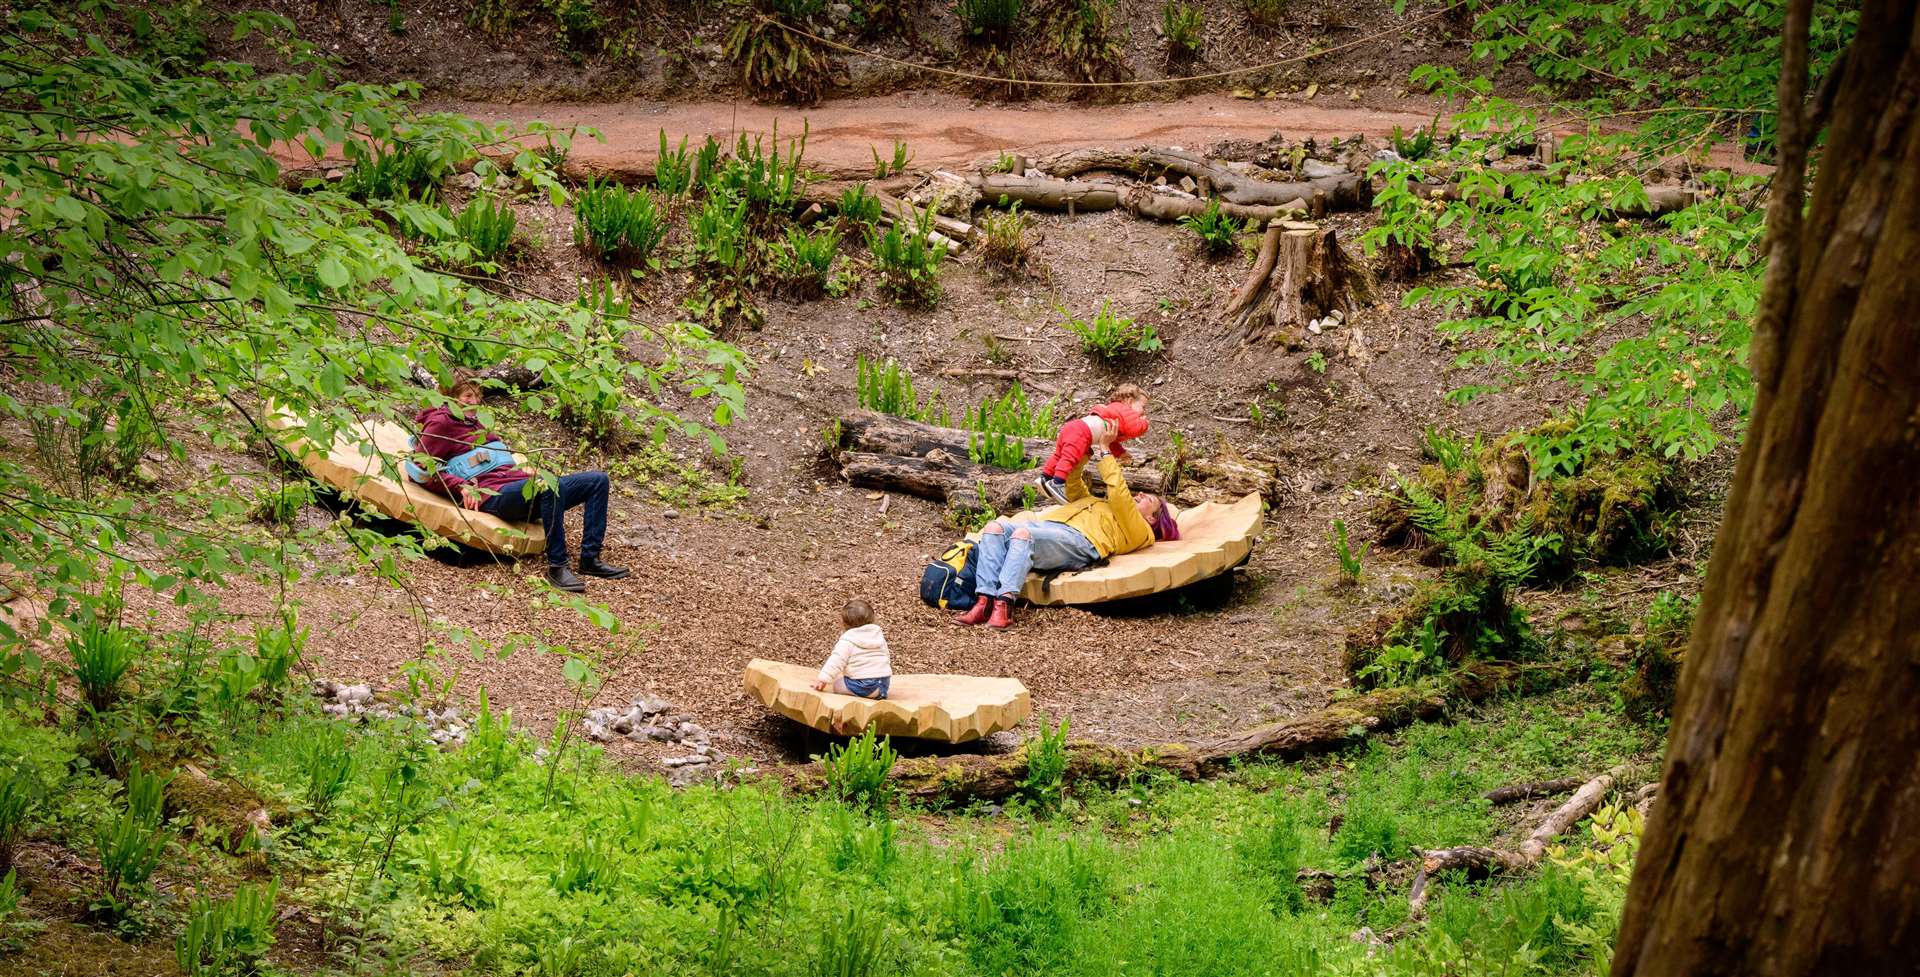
(945, 708)
(366, 465)
(1784, 843)
(1214, 538)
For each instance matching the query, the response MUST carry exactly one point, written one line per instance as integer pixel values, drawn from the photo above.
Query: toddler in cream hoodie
(860, 664)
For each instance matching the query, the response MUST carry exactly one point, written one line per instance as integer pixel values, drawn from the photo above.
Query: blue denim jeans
(865, 688)
(587, 490)
(1005, 558)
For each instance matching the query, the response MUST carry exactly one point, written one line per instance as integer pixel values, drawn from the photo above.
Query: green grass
(613, 873)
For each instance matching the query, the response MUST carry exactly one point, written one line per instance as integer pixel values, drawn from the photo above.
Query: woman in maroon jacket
(505, 491)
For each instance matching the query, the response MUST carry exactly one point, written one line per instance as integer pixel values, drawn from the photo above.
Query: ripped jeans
(1008, 550)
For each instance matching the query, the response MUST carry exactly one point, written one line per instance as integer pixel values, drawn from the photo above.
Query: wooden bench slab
(1214, 538)
(366, 463)
(946, 708)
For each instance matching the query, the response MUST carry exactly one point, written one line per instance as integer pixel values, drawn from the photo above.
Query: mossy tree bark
(1785, 842)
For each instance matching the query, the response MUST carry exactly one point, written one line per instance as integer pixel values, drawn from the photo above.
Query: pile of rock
(651, 719)
(358, 702)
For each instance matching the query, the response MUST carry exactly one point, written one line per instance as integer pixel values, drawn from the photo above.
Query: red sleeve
(1116, 449)
(445, 436)
(1128, 423)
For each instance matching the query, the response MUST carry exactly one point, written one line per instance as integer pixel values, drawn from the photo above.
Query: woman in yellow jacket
(1066, 537)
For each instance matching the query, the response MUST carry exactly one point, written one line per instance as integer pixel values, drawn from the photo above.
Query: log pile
(929, 461)
(1169, 184)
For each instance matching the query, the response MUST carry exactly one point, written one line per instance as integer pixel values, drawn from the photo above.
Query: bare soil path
(943, 129)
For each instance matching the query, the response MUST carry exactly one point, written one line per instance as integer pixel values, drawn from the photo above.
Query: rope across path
(1131, 83)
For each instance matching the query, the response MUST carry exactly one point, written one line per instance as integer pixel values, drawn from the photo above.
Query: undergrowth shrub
(851, 947)
(1219, 234)
(16, 806)
(228, 937)
(895, 165)
(1082, 33)
(280, 504)
(989, 21)
(78, 448)
(493, 745)
(757, 173)
(802, 262)
(1653, 665)
(1350, 559)
(1012, 413)
(857, 770)
(329, 768)
(393, 171)
(908, 260)
(888, 388)
(858, 209)
(1110, 336)
(776, 63)
(1185, 28)
(586, 867)
(1046, 773)
(1006, 247)
(129, 846)
(721, 236)
(102, 655)
(1612, 508)
(878, 18)
(1466, 615)
(1267, 13)
(673, 172)
(486, 227)
(997, 429)
(611, 222)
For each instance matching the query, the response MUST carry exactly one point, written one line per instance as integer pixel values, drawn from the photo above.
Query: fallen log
(966, 778)
(1661, 200)
(1040, 193)
(1478, 862)
(949, 477)
(932, 462)
(1044, 193)
(503, 374)
(1533, 789)
(884, 434)
(1343, 190)
(1145, 202)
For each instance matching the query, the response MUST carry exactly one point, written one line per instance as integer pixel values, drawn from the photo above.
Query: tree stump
(1301, 273)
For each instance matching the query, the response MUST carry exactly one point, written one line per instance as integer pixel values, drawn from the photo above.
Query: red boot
(977, 614)
(1002, 613)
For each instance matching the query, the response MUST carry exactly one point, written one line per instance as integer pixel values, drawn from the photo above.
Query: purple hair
(1164, 526)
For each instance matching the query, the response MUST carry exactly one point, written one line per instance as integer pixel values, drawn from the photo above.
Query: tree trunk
(1787, 837)
(1301, 273)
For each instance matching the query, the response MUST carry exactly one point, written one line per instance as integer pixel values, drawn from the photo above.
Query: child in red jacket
(1121, 419)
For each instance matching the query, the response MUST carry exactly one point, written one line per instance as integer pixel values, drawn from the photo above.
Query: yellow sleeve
(1120, 501)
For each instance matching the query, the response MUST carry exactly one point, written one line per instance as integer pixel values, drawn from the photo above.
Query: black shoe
(563, 579)
(595, 568)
